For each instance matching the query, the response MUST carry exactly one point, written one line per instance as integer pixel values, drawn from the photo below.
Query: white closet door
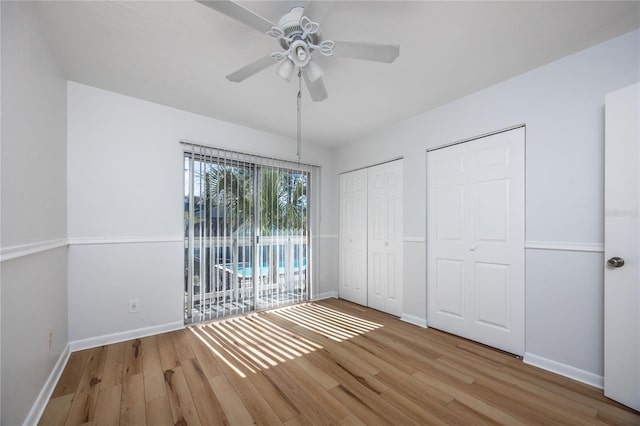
(353, 237)
(475, 241)
(385, 237)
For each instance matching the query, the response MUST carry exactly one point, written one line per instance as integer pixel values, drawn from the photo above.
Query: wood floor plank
(70, 377)
(261, 411)
(359, 407)
(183, 409)
(434, 401)
(132, 358)
(234, 363)
(316, 391)
(469, 400)
(417, 413)
(158, 412)
(232, 405)
(132, 406)
(312, 411)
(351, 420)
(181, 344)
(279, 402)
(326, 362)
(319, 375)
(417, 390)
(84, 401)
(209, 409)
(113, 366)
(152, 369)
(168, 356)
(56, 411)
(108, 406)
(297, 421)
(203, 353)
(358, 390)
(469, 415)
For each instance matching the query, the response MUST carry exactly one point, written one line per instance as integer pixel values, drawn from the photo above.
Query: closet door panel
(352, 256)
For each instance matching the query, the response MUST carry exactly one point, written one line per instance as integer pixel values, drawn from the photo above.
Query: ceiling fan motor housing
(290, 26)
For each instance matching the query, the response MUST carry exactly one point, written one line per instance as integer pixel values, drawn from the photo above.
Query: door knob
(615, 262)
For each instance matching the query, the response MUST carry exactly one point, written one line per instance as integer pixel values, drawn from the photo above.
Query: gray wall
(562, 105)
(34, 214)
(125, 186)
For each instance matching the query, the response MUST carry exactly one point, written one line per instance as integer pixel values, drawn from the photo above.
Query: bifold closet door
(384, 240)
(352, 250)
(475, 240)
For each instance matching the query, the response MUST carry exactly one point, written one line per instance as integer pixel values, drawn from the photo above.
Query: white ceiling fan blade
(317, 10)
(316, 89)
(251, 69)
(240, 13)
(366, 51)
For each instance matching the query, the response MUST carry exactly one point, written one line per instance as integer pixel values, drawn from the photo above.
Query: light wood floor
(329, 362)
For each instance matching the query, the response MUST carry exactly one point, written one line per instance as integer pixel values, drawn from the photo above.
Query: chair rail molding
(564, 246)
(94, 241)
(22, 250)
(413, 239)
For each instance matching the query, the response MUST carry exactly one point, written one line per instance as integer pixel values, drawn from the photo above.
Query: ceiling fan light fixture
(313, 70)
(300, 54)
(286, 68)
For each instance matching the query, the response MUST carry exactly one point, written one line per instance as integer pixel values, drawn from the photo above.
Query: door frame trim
(484, 135)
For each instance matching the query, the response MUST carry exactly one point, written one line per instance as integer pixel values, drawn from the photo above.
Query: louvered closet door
(353, 237)
(475, 240)
(385, 237)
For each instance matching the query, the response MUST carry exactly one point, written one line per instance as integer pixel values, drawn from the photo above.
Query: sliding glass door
(246, 233)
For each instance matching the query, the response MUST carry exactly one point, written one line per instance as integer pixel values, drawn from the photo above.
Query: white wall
(125, 207)
(562, 105)
(33, 285)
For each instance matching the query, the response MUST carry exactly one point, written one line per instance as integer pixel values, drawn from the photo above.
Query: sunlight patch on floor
(250, 343)
(327, 322)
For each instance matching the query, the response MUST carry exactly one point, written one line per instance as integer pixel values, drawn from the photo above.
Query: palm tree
(283, 206)
(228, 204)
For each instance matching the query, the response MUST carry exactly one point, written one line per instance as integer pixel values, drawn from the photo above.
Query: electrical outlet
(134, 305)
(50, 339)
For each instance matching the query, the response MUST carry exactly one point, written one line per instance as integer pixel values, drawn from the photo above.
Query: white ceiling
(178, 53)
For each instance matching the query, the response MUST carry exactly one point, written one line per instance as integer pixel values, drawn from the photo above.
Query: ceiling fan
(300, 38)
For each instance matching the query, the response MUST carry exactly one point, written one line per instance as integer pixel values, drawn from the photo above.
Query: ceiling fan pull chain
(299, 139)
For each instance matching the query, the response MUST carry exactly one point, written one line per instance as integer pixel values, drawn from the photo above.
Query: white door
(475, 240)
(385, 237)
(352, 263)
(622, 244)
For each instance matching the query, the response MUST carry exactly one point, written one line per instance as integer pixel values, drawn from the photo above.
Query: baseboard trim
(107, 339)
(47, 389)
(564, 369)
(412, 319)
(325, 295)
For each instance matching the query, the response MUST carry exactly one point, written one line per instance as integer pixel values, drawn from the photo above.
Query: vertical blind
(247, 233)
